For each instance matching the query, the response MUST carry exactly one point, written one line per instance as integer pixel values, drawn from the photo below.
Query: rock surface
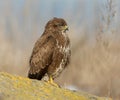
(19, 88)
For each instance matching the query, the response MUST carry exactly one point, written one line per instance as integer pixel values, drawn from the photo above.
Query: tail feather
(35, 76)
(39, 74)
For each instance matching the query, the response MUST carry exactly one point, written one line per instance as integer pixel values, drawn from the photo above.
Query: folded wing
(41, 57)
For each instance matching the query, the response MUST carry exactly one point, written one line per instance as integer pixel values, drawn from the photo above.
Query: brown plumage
(51, 52)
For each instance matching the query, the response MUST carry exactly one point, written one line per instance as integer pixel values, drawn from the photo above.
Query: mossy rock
(19, 88)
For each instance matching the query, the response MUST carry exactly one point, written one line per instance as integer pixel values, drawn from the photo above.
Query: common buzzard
(51, 53)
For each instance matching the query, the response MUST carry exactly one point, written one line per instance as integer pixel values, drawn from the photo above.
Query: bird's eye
(56, 25)
(61, 24)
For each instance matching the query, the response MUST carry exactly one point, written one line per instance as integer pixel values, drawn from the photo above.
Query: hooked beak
(65, 28)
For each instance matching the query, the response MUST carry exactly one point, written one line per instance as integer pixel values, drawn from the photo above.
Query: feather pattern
(51, 53)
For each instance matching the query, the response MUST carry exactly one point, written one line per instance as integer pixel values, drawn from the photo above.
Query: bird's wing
(42, 54)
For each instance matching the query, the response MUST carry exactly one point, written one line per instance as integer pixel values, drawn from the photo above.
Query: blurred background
(93, 30)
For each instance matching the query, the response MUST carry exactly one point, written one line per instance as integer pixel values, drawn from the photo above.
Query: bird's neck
(62, 38)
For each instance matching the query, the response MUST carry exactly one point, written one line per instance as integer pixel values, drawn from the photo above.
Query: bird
(51, 52)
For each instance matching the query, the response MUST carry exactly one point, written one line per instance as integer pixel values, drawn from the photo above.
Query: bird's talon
(52, 82)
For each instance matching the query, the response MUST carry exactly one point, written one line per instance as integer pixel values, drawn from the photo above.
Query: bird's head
(57, 24)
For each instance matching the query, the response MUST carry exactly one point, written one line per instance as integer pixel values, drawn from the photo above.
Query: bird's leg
(52, 82)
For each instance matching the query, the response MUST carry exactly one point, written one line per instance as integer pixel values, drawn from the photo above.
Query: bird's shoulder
(42, 51)
(44, 42)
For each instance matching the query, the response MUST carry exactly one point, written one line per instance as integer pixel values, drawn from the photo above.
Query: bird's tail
(39, 74)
